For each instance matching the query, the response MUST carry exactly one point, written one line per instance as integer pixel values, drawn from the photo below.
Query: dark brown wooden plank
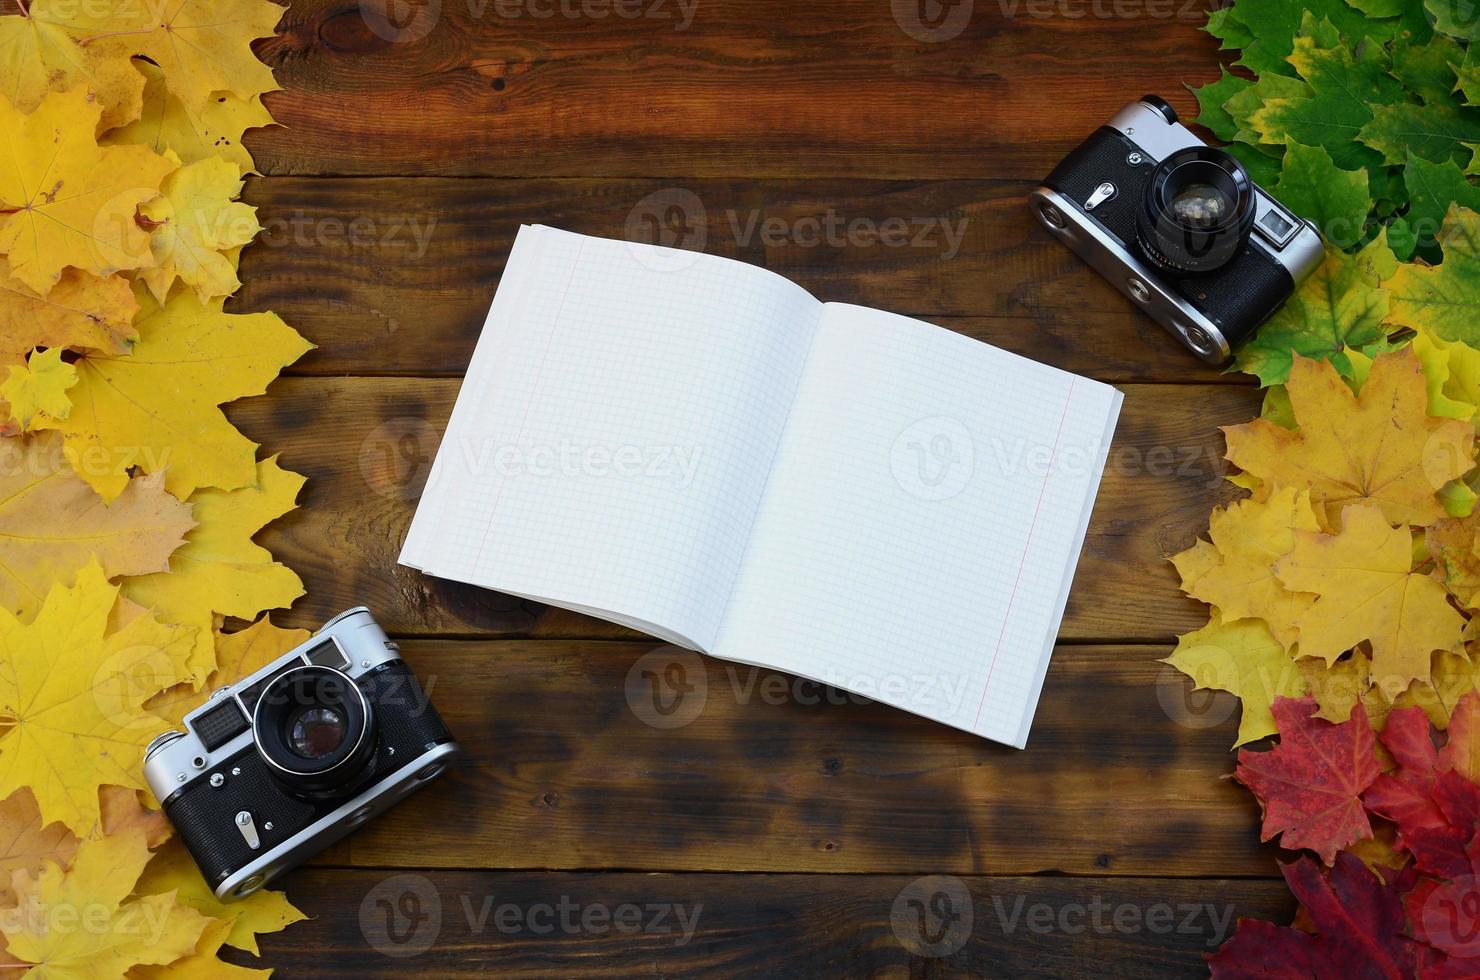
(568, 768)
(467, 924)
(366, 444)
(746, 87)
(394, 275)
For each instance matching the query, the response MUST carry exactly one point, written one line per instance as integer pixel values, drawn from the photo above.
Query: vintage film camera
(273, 769)
(1179, 227)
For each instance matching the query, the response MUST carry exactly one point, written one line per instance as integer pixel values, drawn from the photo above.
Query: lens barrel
(1197, 211)
(315, 730)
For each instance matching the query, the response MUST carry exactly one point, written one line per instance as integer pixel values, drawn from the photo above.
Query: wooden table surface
(789, 833)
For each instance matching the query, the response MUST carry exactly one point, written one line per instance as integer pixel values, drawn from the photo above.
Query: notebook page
(615, 431)
(922, 523)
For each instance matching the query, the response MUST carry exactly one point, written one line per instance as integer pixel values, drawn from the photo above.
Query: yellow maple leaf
(156, 407)
(237, 655)
(65, 200)
(1248, 536)
(1441, 299)
(118, 932)
(26, 843)
(124, 810)
(1367, 591)
(1434, 355)
(1194, 562)
(1243, 658)
(72, 692)
(52, 524)
(201, 46)
(1452, 545)
(173, 872)
(198, 221)
(202, 964)
(1380, 445)
(39, 55)
(213, 131)
(39, 387)
(1337, 687)
(81, 311)
(219, 570)
(1452, 676)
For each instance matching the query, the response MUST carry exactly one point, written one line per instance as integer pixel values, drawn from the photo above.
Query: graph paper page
(614, 434)
(922, 523)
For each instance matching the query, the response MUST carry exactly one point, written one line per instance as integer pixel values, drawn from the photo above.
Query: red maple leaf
(1436, 809)
(1310, 785)
(1446, 915)
(1358, 918)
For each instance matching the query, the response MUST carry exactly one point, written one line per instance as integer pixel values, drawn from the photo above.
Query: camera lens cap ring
(284, 703)
(1197, 211)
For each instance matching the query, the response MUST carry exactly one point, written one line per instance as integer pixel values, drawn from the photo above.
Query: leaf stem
(98, 37)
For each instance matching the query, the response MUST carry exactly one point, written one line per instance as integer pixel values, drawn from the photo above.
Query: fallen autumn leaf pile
(1345, 587)
(128, 501)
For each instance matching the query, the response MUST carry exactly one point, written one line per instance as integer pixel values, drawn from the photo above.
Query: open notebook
(698, 448)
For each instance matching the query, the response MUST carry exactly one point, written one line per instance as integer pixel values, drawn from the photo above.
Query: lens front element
(1200, 206)
(1197, 212)
(316, 732)
(314, 728)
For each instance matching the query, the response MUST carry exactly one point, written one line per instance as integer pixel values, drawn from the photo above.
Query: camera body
(1209, 276)
(276, 767)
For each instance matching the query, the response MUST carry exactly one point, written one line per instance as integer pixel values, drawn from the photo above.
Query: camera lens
(1197, 211)
(314, 728)
(316, 732)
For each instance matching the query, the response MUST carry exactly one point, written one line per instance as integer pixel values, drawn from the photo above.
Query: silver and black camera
(273, 769)
(1179, 227)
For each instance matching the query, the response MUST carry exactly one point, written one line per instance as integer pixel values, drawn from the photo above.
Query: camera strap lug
(249, 829)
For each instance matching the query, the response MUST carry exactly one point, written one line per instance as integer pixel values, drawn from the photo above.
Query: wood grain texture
(366, 444)
(516, 924)
(745, 88)
(395, 275)
(572, 765)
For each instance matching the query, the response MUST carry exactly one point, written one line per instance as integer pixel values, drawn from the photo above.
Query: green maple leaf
(1244, 103)
(1228, 29)
(1382, 8)
(1401, 238)
(1341, 305)
(1437, 131)
(1263, 168)
(1457, 18)
(1432, 187)
(1443, 299)
(1210, 100)
(1315, 188)
(1270, 26)
(1427, 69)
(1467, 76)
(1347, 86)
